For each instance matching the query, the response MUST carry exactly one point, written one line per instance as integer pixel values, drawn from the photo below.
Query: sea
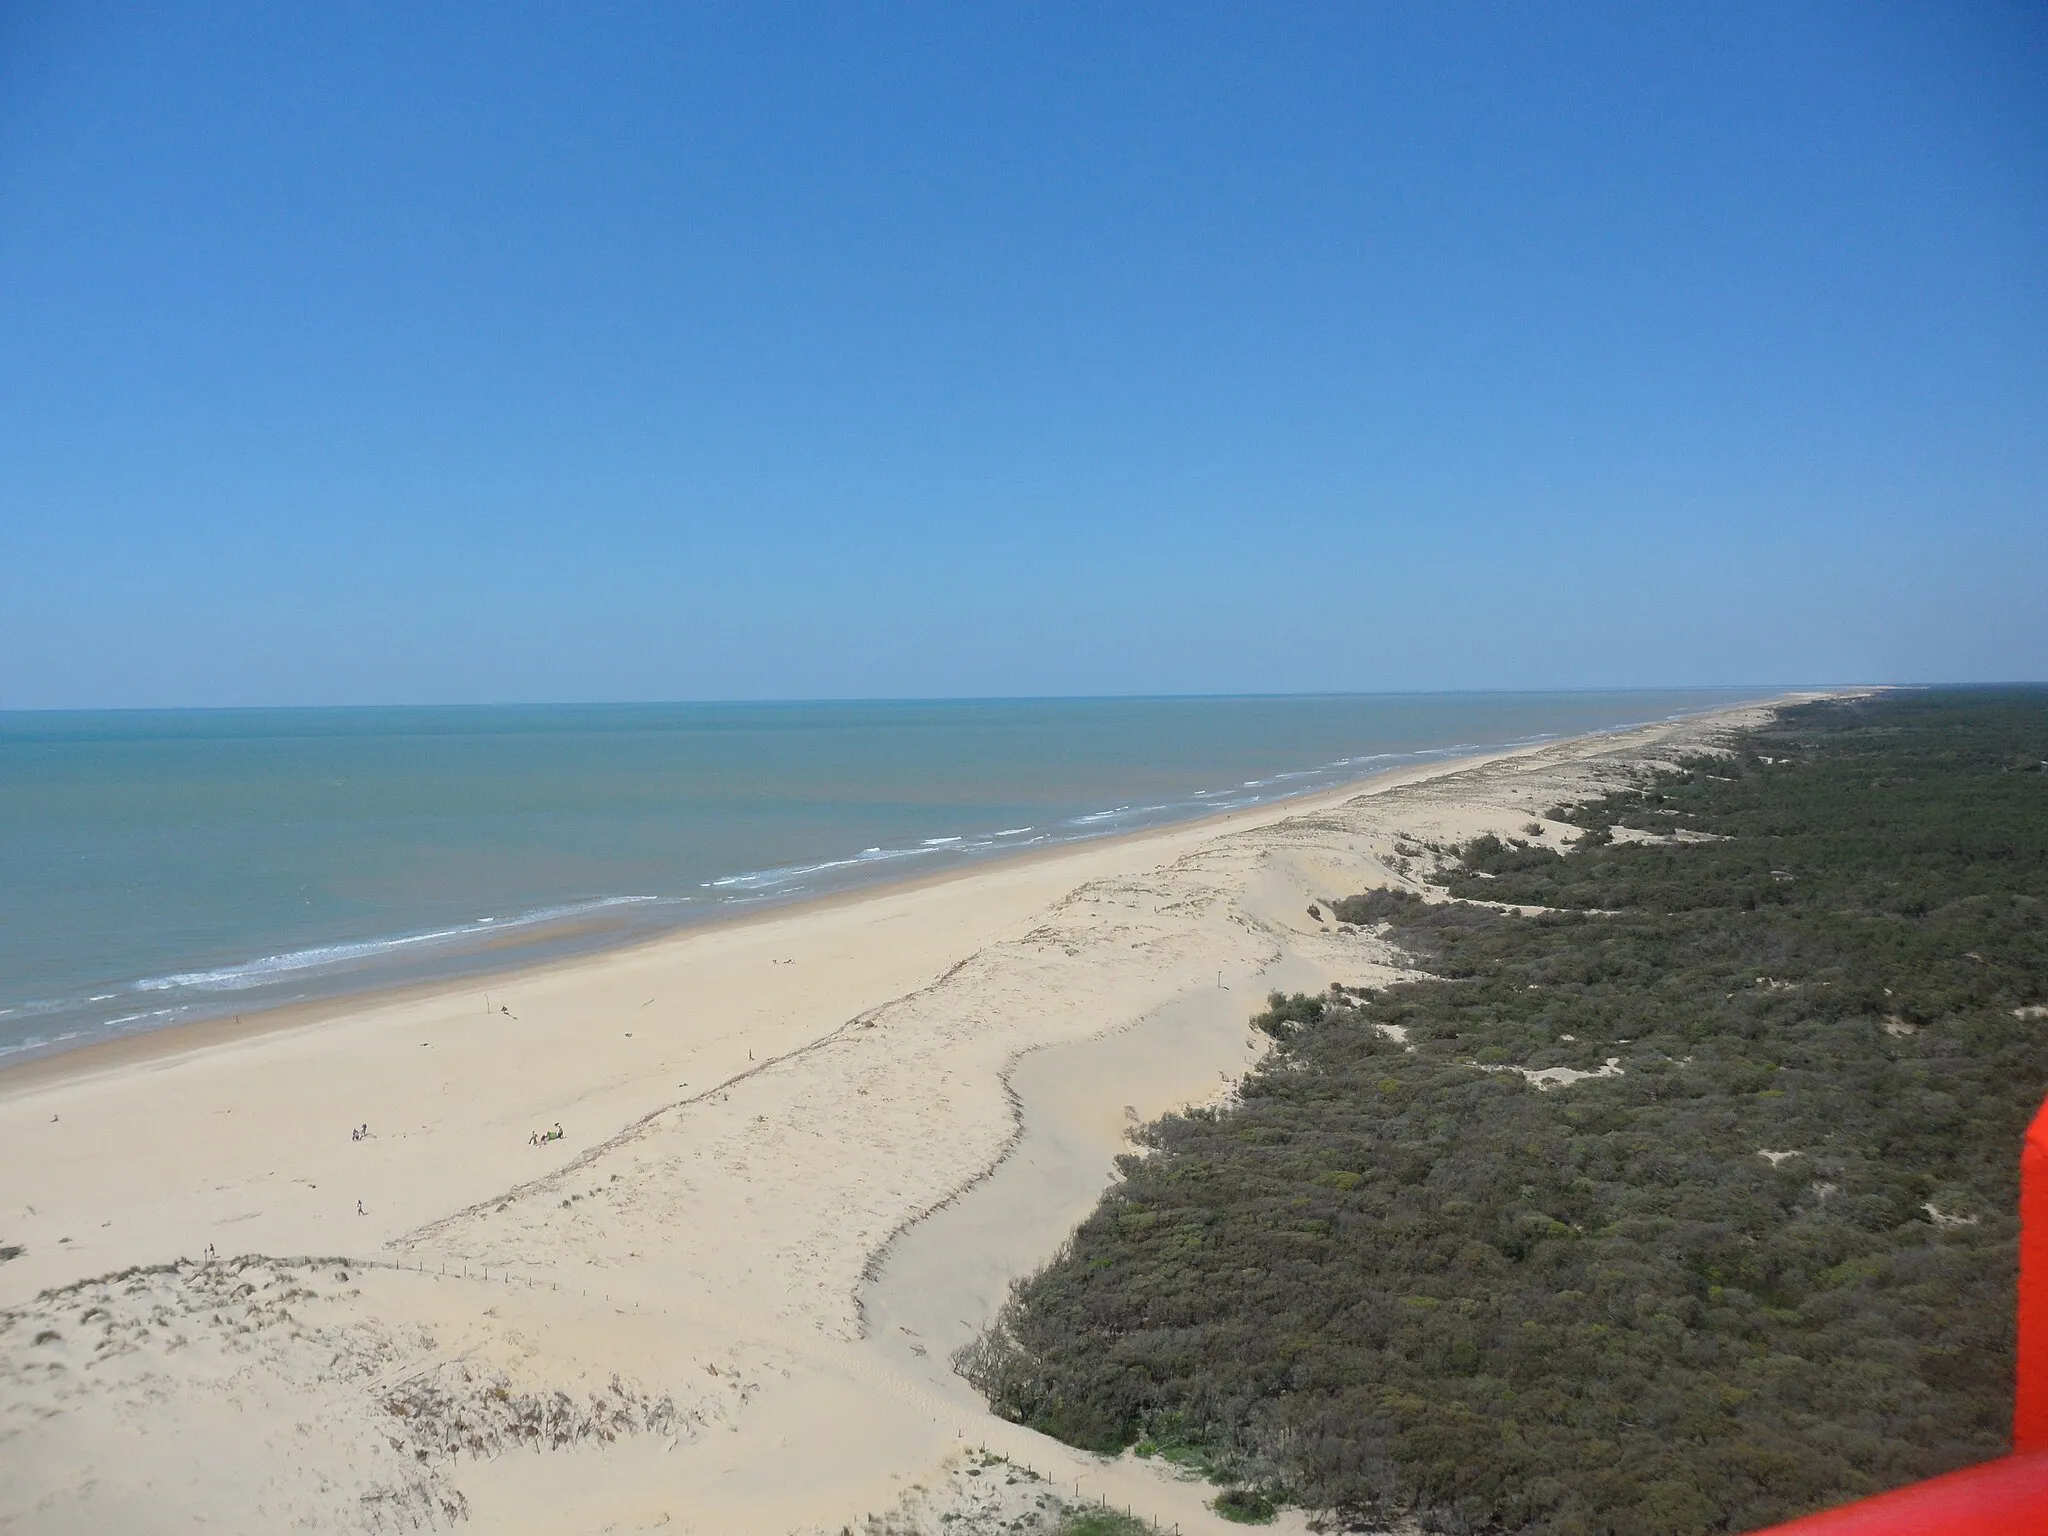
(158, 866)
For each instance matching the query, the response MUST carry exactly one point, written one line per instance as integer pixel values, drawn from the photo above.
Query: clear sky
(362, 353)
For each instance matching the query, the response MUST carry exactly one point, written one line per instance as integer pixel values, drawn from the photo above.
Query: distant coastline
(206, 980)
(33, 1066)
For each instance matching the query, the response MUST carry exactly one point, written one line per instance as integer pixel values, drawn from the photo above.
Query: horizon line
(793, 701)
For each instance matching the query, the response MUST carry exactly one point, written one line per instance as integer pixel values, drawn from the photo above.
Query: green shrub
(1285, 1015)
(1102, 1522)
(1247, 1506)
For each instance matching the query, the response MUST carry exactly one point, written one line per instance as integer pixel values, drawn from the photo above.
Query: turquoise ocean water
(157, 866)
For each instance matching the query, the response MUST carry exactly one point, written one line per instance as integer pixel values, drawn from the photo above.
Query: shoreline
(27, 1067)
(804, 1152)
(40, 1065)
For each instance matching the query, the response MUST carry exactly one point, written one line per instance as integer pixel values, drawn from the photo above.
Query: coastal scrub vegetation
(1104, 1522)
(1751, 1254)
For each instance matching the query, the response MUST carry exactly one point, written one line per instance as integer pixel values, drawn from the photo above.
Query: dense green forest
(1393, 1281)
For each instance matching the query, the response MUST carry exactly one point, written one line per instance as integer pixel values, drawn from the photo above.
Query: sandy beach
(802, 1156)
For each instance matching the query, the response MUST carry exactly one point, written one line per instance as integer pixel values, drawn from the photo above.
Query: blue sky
(389, 353)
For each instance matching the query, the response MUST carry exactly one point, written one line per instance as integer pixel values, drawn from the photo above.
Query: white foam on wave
(270, 968)
(1094, 816)
(1257, 791)
(37, 1042)
(769, 879)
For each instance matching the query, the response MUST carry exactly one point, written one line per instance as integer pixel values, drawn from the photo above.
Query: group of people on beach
(540, 1138)
(360, 1132)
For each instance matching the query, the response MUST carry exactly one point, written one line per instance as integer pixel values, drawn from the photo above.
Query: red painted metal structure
(2009, 1496)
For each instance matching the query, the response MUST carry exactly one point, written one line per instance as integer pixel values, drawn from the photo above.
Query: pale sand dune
(793, 1183)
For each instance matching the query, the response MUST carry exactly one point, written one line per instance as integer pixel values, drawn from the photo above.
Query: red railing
(2009, 1496)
